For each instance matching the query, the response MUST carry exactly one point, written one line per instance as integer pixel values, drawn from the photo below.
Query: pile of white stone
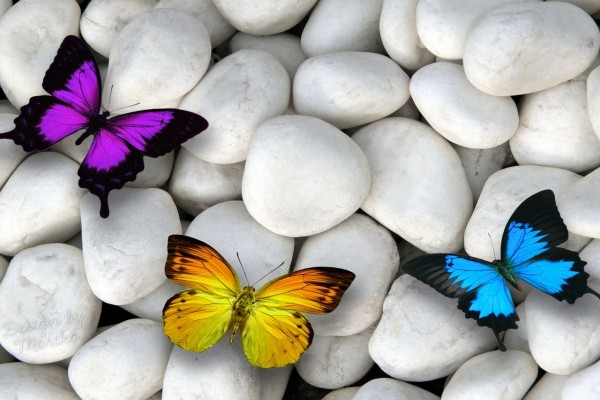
(332, 147)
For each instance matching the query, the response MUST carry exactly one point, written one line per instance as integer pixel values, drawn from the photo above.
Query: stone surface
(155, 59)
(303, 176)
(349, 88)
(284, 46)
(495, 376)
(197, 184)
(526, 47)
(593, 99)
(387, 388)
(337, 25)
(30, 33)
(501, 195)
(398, 29)
(151, 305)
(443, 25)
(264, 18)
(419, 188)
(229, 228)
(579, 206)
(217, 26)
(555, 130)
(582, 385)
(236, 96)
(549, 387)
(125, 253)
(518, 339)
(422, 335)
(346, 393)
(39, 203)
(127, 361)
(563, 338)
(102, 21)
(366, 248)
(25, 381)
(459, 111)
(333, 362)
(47, 309)
(11, 154)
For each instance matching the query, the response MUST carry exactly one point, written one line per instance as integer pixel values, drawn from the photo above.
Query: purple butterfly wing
(73, 80)
(116, 154)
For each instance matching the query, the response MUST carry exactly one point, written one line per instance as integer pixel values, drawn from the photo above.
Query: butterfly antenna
(242, 265)
(268, 273)
(492, 243)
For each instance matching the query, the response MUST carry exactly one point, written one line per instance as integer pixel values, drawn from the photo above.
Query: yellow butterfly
(274, 331)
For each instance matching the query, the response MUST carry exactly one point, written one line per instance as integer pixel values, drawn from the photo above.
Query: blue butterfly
(529, 253)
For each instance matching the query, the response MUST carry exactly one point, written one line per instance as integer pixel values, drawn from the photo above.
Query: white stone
(398, 29)
(349, 88)
(555, 130)
(346, 393)
(422, 335)
(332, 362)
(218, 28)
(303, 176)
(419, 190)
(57, 311)
(25, 381)
(236, 95)
(593, 99)
(266, 17)
(591, 254)
(127, 361)
(549, 387)
(30, 33)
(387, 388)
(589, 6)
(102, 21)
(480, 164)
(366, 248)
(517, 339)
(221, 372)
(197, 184)
(495, 376)
(338, 25)
(274, 382)
(501, 195)
(579, 206)
(522, 48)
(284, 46)
(125, 253)
(443, 25)
(563, 338)
(39, 203)
(229, 228)
(583, 385)
(155, 59)
(11, 154)
(459, 111)
(151, 305)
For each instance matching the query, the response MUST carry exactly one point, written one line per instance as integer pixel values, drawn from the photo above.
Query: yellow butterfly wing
(276, 333)
(197, 318)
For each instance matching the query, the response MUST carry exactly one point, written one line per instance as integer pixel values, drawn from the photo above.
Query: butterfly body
(529, 253)
(274, 332)
(119, 143)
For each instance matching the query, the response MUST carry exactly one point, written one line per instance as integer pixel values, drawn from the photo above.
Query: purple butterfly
(119, 143)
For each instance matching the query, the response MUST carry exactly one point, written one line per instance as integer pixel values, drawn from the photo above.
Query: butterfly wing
(481, 290)
(73, 80)
(197, 318)
(115, 156)
(276, 333)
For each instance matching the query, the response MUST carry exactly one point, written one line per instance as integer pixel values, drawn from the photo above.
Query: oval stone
(582, 385)
(156, 58)
(25, 381)
(11, 154)
(127, 361)
(125, 253)
(338, 25)
(65, 312)
(346, 393)
(303, 176)
(419, 190)
(236, 95)
(30, 33)
(593, 99)
(522, 48)
(549, 387)
(39, 203)
(459, 111)
(579, 206)
(349, 88)
(366, 248)
(388, 388)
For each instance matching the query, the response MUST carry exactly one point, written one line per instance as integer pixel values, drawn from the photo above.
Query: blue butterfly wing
(481, 291)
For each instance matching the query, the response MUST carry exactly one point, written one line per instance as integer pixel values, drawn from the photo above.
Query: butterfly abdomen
(507, 273)
(242, 307)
